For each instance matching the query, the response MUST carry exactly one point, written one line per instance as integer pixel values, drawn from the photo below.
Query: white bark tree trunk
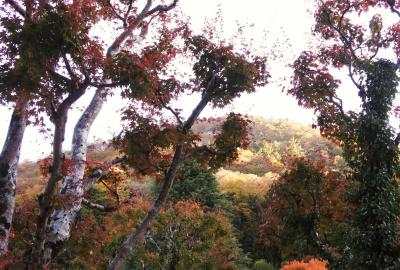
(62, 220)
(9, 158)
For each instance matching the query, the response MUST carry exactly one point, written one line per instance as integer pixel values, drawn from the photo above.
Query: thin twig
(114, 192)
(69, 69)
(116, 13)
(178, 119)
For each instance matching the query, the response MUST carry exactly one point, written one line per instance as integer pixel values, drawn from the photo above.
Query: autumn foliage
(312, 264)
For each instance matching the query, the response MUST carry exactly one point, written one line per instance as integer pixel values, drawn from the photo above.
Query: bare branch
(128, 10)
(178, 118)
(100, 172)
(163, 8)
(112, 191)
(116, 13)
(362, 92)
(16, 7)
(69, 69)
(115, 47)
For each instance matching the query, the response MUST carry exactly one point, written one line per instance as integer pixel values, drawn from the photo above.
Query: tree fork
(46, 200)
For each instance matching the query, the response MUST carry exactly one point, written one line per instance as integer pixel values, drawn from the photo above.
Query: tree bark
(117, 263)
(9, 158)
(47, 199)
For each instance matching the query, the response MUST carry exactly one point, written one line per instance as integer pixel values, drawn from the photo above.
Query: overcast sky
(289, 21)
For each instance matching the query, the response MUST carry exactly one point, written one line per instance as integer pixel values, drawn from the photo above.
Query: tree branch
(397, 64)
(338, 29)
(98, 206)
(69, 69)
(178, 118)
(60, 77)
(362, 92)
(163, 8)
(115, 47)
(116, 13)
(105, 85)
(99, 172)
(114, 192)
(128, 10)
(392, 8)
(339, 105)
(16, 7)
(203, 102)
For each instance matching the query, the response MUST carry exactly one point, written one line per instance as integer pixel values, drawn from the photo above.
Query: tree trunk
(63, 219)
(123, 252)
(9, 158)
(47, 199)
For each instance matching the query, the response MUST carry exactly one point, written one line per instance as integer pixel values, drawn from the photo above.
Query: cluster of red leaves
(140, 72)
(312, 264)
(6, 260)
(46, 163)
(313, 85)
(188, 209)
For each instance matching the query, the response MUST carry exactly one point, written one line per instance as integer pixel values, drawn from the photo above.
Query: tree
(119, 67)
(303, 211)
(369, 145)
(52, 60)
(34, 38)
(9, 156)
(220, 74)
(185, 237)
(246, 213)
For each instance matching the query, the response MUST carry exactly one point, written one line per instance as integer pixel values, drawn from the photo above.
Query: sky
(275, 23)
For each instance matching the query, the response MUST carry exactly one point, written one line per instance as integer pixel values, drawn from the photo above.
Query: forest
(177, 190)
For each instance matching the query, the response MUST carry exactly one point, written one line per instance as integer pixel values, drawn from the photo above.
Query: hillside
(271, 142)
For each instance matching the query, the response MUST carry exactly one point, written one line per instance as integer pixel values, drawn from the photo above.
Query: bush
(263, 265)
